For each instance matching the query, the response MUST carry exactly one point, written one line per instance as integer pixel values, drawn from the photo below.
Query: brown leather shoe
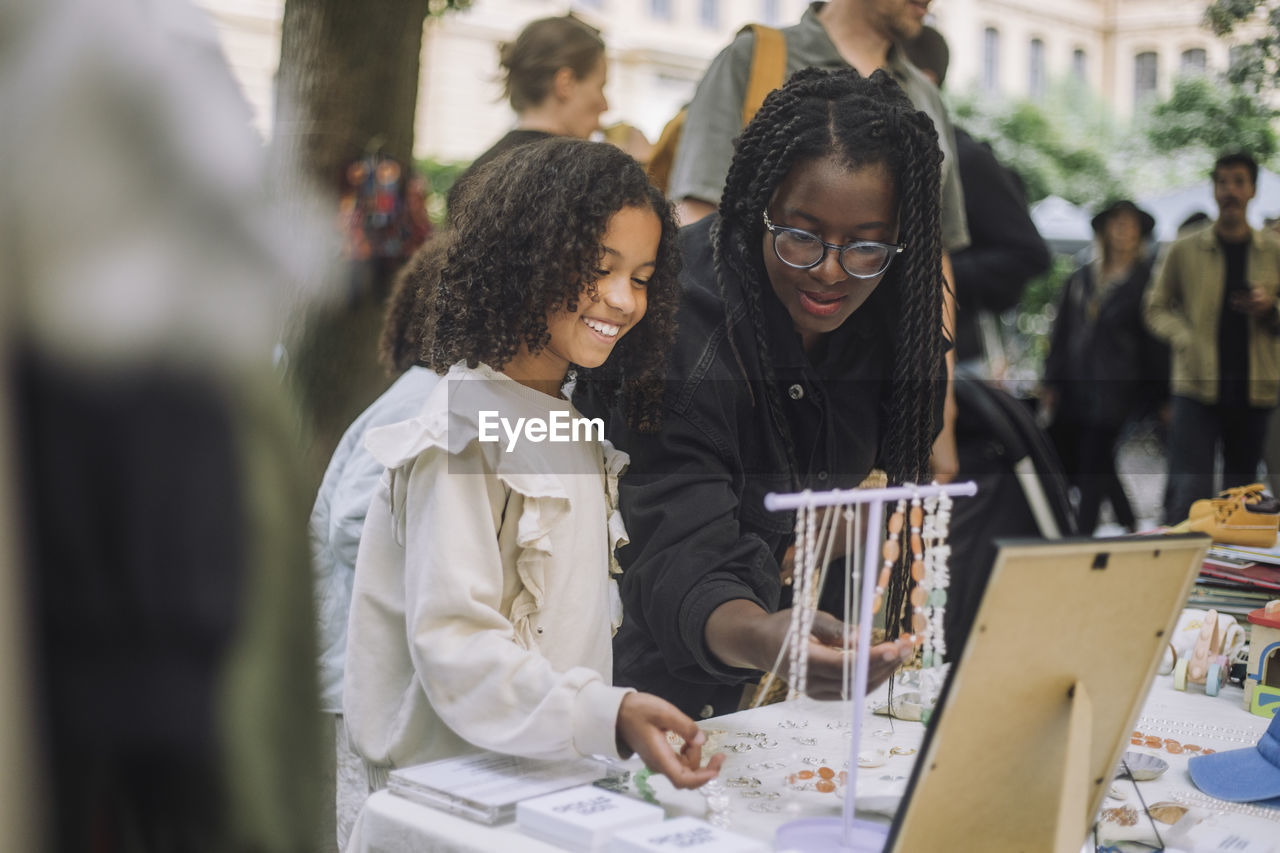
(1235, 522)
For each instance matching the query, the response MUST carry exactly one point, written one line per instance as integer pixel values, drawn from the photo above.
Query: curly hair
(527, 242)
(862, 121)
(400, 344)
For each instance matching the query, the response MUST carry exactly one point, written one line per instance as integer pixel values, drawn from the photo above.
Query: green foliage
(1255, 64)
(1062, 146)
(1042, 291)
(1070, 145)
(1214, 117)
(440, 177)
(1027, 342)
(1223, 15)
(439, 7)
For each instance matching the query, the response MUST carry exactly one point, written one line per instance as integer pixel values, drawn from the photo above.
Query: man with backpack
(837, 34)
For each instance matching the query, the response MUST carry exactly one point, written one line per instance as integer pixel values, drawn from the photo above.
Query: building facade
(1125, 50)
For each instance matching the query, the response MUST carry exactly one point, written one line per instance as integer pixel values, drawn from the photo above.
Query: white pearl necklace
(937, 576)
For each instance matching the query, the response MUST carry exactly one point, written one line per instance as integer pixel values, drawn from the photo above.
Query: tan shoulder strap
(663, 155)
(768, 68)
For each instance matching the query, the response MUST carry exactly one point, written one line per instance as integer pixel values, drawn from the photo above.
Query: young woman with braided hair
(810, 350)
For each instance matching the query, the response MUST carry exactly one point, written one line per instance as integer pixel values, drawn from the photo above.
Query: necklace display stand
(846, 833)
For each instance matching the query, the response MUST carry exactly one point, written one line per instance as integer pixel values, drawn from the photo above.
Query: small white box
(685, 835)
(486, 786)
(583, 818)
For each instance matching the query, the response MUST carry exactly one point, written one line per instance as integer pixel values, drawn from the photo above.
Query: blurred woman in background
(1104, 369)
(553, 76)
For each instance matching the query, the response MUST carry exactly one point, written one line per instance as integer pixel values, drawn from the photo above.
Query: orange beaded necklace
(892, 550)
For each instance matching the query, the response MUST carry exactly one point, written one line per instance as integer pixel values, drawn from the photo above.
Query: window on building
(1194, 61)
(1145, 68)
(769, 12)
(660, 9)
(709, 13)
(1079, 64)
(991, 59)
(1035, 71)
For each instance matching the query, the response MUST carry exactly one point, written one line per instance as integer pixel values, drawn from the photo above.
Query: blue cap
(1242, 775)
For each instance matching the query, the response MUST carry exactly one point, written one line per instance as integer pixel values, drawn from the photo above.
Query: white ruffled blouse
(484, 600)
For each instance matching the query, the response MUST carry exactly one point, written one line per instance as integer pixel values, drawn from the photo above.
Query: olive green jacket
(1183, 308)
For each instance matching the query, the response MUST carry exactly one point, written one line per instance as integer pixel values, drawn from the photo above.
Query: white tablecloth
(798, 736)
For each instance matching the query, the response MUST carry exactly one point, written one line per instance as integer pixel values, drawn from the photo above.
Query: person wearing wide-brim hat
(1145, 221)
(1104, 368)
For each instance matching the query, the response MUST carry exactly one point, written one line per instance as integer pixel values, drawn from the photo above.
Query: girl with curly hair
(483, 601)
(810, 350)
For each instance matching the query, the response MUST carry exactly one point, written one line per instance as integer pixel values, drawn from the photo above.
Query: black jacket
(1005, 249)
(1102, 360)
(693, 496)
(513, 139)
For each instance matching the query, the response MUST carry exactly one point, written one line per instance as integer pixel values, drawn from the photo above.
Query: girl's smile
(607, 331)
(587, 336)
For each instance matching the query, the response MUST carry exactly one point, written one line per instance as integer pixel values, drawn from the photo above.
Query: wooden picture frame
(1038, 708)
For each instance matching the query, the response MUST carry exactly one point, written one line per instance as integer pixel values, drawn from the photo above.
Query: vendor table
(766, 745)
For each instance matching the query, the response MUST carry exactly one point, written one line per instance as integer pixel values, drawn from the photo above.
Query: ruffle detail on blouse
(396, 446)
(545, 503)
(615, 465)
(543, 509)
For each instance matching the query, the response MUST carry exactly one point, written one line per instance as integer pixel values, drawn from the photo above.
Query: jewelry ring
(871, 758)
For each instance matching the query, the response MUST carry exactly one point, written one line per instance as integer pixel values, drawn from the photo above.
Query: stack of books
(1236, 579)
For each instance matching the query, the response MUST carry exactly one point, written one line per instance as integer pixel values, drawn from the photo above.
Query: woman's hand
(643, 723)
(741, 634)
(828, 657)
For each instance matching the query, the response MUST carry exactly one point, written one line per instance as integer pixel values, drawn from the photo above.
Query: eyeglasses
(803, 250)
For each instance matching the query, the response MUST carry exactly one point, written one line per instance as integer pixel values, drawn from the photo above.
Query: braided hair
(528, 241)
(861, 121)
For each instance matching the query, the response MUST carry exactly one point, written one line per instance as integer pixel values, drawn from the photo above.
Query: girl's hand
(643, 723)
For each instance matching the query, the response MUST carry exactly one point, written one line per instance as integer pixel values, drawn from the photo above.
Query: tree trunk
(347, 84)
(348, 81)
